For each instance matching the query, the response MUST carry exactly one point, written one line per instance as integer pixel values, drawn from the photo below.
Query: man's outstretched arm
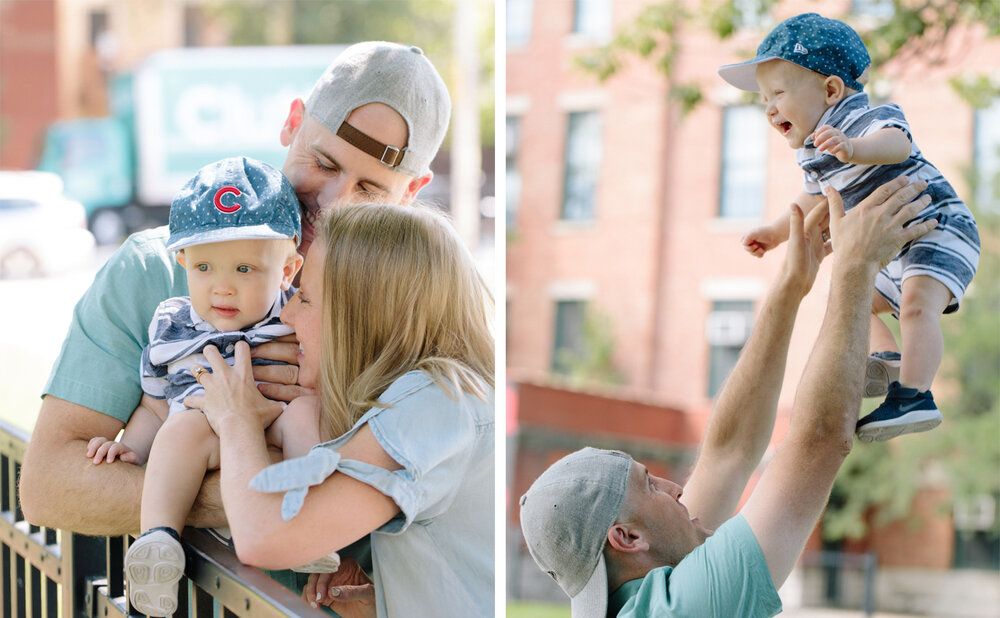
(61, 488)
(741, 424)
(794, 489)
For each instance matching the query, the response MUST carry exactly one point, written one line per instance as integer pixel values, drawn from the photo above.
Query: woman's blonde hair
(400, 293)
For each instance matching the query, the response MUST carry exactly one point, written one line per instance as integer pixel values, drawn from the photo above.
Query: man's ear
(415, 186)
(626, 539)
(292, 123)
(292, 267)
(181, 259)
(835, 89)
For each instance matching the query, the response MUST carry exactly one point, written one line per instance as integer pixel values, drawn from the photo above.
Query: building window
(883, 9)
(583, 165)
(568, 341)
(592, 18)
(977, 545)
(513, 175)
(749, 13)
(744, 162)
(727, 329)
(987, 158)
(518, 22)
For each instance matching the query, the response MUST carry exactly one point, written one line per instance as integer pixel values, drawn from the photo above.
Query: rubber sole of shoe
(153, 567)
(914, 422)
(878, 375)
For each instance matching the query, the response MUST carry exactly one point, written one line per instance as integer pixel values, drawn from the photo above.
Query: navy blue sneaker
(882, 370)
(905, 410)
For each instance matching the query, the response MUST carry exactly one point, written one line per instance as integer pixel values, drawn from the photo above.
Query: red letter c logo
(218, 199)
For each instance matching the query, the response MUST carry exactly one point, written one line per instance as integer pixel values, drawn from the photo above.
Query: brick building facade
(619, 205)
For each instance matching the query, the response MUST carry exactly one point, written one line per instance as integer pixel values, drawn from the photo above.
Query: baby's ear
(292, 266)
(180, 258)
(835, 89)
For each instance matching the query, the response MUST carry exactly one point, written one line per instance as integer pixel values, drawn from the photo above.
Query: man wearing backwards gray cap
(366, 132)
(602, 526)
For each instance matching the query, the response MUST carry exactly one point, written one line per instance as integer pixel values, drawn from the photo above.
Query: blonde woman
(393, 323)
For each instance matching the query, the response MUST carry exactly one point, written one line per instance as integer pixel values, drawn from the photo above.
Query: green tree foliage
(916, 32)
(594, 364)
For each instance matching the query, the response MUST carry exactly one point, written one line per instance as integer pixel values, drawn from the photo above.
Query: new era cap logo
(800, 49)
(222, 193)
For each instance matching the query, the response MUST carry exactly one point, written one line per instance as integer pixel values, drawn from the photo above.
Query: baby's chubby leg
(924, 299)
(184, 448)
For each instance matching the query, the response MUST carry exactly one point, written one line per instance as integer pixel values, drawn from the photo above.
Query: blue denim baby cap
(826, 46)
(234, 199)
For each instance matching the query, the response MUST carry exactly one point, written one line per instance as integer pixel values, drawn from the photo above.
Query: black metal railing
(51, 573)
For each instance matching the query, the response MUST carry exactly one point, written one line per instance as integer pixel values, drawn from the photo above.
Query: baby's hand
(100, 449)
(760, 240)
(834, 142)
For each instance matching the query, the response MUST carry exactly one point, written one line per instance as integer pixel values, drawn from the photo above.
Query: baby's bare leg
(183, 450)
(923, 301)
(881, 338)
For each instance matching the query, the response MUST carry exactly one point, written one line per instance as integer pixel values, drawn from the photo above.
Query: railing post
(870, 562)
(84, 558)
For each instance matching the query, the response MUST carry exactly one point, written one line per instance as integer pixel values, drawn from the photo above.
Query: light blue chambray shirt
(436, 557)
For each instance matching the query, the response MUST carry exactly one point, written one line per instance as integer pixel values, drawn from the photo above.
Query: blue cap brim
(743, 75)
(204, 237)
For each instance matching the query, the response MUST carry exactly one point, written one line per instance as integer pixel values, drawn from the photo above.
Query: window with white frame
(584, 150)
(518, 22)
(726, 330)
(592, 18)
(987, 158)
(513, 175)
(744, 162)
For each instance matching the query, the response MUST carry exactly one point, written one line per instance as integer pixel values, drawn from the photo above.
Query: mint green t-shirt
(725, 576)
(98, 366)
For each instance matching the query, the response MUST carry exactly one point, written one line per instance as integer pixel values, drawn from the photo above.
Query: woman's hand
(279, 382)
(349, 591)
(231, 390)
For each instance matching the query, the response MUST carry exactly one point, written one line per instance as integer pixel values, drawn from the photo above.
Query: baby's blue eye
(243, 268)
(203, 267)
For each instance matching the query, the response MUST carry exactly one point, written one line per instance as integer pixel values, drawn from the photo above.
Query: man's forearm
(61, 488)
(743, 418)
(829, 393)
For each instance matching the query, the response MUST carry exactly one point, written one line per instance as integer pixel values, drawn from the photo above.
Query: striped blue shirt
(177, 336)
(950, 252)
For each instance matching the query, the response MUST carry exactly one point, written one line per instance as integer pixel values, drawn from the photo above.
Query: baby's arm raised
(762, 239)
(883, 147)
(137, 437)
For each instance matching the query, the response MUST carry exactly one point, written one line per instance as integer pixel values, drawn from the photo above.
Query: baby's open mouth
(784, 127)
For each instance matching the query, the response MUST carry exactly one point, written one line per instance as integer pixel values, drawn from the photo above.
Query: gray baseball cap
(565, 518)
(826, 46)
(234, 199)
(399, 76)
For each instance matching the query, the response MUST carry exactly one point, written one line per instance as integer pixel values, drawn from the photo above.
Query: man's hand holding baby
(279, 382)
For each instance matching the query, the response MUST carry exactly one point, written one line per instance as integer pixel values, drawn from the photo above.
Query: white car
(41, 231)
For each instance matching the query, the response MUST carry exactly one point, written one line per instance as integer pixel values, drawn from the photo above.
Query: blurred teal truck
(180, 109)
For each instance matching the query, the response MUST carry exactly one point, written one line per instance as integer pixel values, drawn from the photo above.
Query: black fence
(49, 572)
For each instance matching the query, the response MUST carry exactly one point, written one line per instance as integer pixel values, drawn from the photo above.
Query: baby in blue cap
(236, 227)
(811, 72)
